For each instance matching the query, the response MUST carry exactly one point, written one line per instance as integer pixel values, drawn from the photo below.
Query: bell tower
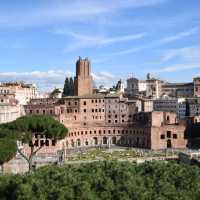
(83, 79)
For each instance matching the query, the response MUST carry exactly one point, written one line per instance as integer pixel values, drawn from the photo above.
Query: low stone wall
(16, 165)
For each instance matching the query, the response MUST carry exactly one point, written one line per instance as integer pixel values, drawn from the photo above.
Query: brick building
(104, 120)
(83, 81)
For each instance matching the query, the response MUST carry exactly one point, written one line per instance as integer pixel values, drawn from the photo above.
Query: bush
(105, 180)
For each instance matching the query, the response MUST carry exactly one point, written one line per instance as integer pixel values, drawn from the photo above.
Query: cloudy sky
(41, 40)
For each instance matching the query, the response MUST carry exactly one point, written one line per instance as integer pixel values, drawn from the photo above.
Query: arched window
(78, 142)
(86, 143)
(167, 117)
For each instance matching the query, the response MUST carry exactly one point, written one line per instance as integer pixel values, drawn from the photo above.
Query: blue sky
(41, 40)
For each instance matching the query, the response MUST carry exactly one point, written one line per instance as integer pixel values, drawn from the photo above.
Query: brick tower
(83, 79)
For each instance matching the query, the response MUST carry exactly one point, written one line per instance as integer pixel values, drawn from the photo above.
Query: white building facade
(177, 105)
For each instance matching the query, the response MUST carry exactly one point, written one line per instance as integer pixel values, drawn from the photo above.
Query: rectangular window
(174, 136)
(168, 134)
(162, 136)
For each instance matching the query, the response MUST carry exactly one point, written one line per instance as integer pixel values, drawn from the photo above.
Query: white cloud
(45, 80)
(179, 36)
(103, 76)
(107, 79)
(178, 67)
(83, 41)
(73, 10)
(186, 53)
(126, 51)
(191, 52)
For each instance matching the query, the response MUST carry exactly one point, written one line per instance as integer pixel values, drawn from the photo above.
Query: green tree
(68, 87)
(105, 180)
(71, 84)
(25, 128)
(8, 150)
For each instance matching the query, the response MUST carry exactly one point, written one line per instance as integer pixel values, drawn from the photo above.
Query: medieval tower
(83, 79)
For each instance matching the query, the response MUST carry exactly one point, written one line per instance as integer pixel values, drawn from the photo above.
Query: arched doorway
(169, 144)
(105, 140)
(86, 143)
(78, 142)
(67, 144)
(114, 140)
(95, 141)
(129, 142)
(122, 140)
(72, 143)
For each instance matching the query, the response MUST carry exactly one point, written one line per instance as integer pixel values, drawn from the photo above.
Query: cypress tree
(66, 87)
(71, 86)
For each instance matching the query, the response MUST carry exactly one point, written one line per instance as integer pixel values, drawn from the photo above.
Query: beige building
(178, 89)
(23, 92)
(136, 87)
(9, 108)
(196, 82)
(169, 104)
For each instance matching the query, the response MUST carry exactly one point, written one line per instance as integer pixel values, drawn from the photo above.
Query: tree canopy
(24, 128)
(105, 181)
(8, 149)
